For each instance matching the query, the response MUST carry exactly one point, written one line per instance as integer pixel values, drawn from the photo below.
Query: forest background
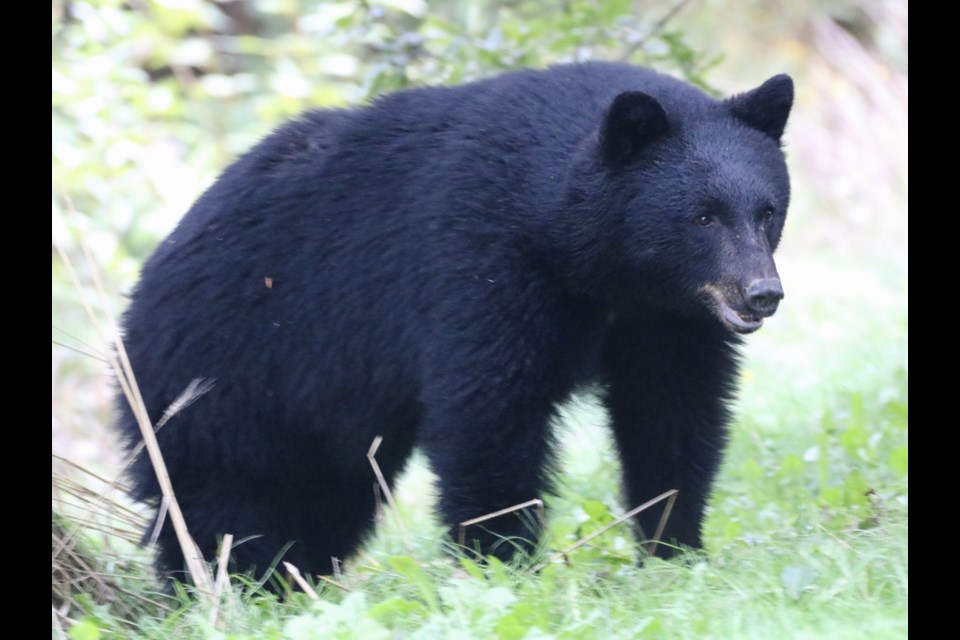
(807, 531)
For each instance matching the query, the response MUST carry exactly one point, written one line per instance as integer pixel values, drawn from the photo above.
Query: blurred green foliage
(152, 98)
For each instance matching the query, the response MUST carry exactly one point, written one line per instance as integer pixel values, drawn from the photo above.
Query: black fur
(443, 268)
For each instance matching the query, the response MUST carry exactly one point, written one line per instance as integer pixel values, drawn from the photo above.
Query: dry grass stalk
(670, 495)
(90, 509)
(335, 583)
(82, 568)
(335, 563)
(377, 503)
(222, 577)
(667, 510)
(330, 581)
(120, 363)
(298, 578)
(82, 352)
(536, 502)
(371, 456)
(74, 568)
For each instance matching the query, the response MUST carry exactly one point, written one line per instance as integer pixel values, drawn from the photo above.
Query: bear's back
(343, 235)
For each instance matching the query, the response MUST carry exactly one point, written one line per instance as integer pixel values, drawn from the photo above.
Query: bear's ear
(766, 108)
(633, 120)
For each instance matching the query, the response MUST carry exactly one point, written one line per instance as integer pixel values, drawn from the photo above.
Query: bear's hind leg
(495, 462)
(260, 539)
(304, 524)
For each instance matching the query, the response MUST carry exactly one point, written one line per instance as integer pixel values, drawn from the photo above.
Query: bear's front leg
(493, 379)
(488, 458)
(670, 380)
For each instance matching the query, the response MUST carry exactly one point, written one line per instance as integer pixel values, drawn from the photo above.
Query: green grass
(807, 534)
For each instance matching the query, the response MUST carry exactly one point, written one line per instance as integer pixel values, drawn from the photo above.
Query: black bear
(443, 268)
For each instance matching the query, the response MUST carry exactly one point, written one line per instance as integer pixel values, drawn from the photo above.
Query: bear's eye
(767, 214)
(704, 220)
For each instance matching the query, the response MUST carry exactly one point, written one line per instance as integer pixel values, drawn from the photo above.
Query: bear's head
(690, 201)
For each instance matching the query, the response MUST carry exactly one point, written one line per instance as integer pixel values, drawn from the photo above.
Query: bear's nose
(763, 296)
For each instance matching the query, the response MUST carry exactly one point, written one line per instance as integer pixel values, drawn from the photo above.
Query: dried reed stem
(371, 456)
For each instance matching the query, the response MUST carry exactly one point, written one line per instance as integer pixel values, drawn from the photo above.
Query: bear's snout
(763, 295)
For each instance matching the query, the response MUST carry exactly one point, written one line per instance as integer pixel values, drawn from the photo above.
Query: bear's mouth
(742, 322)
(739, 321)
